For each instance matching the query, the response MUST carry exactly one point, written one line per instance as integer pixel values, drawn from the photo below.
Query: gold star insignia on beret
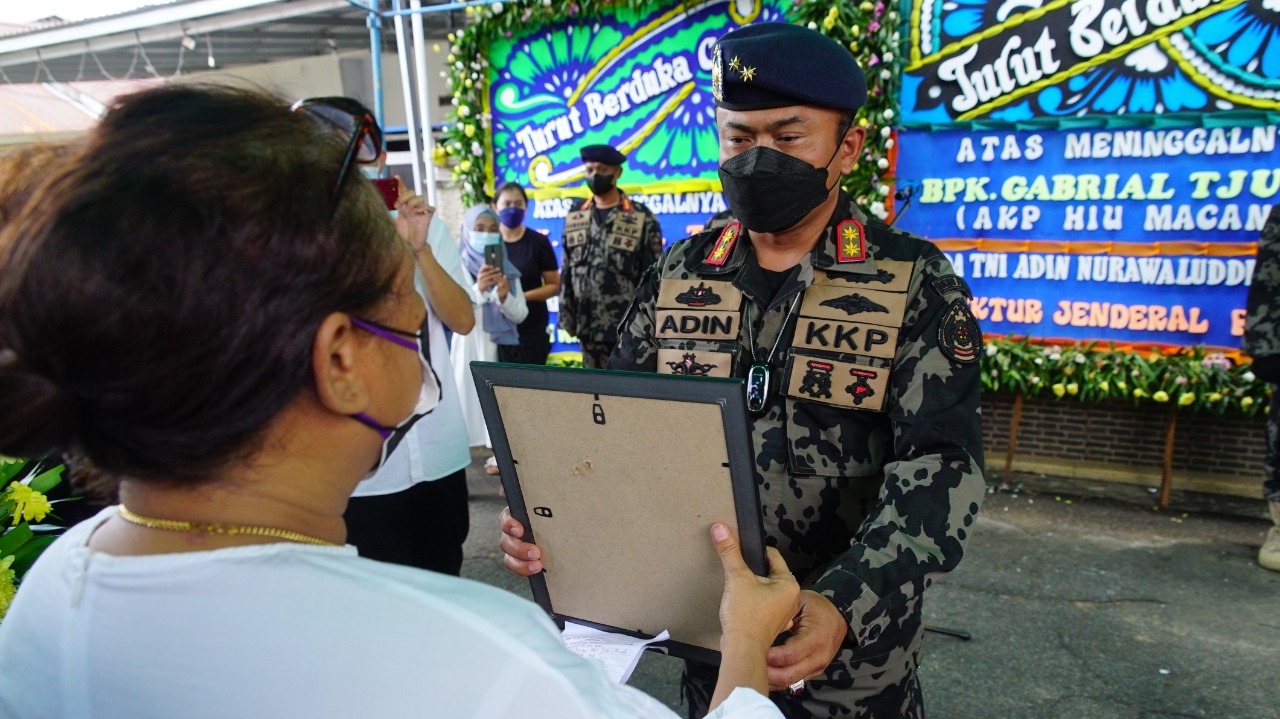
(748, 73)
(735, 64)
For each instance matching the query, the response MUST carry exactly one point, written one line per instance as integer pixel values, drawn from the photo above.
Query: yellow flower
(854, 30)
(1121, 386)
(1104, 385)
(829, 22)
(469, 130)
(1073, 389)
(1246, 401)
(28, 504)
(853, 46)
(1059, 389)
(1139, 394)
(8, 585)
(1186, 398)
(465, 166)
(1213, 397)
(1160, 396)
(451, 58)
(834, 11)
(866, 7)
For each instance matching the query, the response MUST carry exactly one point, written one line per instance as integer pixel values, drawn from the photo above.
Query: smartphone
(389, 188)
(493, 255)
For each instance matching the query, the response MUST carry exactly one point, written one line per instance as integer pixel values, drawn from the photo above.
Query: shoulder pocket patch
(959, 336)
(951, 283)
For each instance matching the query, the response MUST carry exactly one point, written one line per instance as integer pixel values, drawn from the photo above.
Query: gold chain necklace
(174, 525)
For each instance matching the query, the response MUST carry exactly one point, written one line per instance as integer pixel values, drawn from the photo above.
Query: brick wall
(1122, 434)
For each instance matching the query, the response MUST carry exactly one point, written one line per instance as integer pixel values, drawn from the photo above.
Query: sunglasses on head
(348, 118)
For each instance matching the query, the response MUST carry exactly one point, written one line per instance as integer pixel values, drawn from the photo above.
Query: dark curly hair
(160, 291)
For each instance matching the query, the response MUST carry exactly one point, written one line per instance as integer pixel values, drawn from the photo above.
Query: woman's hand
(753, 607)
(491, 277)
(413, 217)
(753, 612)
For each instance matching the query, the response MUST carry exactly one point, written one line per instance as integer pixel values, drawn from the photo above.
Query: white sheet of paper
(618, 653)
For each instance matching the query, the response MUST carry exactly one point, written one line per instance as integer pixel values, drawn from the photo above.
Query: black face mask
(600, 184)
(770, 191)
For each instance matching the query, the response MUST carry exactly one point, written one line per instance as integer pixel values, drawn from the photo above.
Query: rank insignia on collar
(724, 245)
(851, 242)
(959, 336)
(700, 296)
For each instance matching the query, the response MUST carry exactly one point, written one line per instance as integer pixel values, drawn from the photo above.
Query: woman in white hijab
(499, 305)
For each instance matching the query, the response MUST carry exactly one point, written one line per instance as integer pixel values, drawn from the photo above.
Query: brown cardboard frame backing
(617, 477)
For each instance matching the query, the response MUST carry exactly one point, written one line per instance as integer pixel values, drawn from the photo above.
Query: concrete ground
(1084, 602)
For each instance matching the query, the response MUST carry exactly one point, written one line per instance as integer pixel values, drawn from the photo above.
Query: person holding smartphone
(531, 253)
(500, 307)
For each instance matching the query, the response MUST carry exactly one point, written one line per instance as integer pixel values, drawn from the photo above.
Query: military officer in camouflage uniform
(609, 241)
(861, 361)
(1262, 343)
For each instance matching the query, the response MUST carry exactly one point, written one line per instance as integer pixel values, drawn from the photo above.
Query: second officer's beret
(602, 153)
(777, 64)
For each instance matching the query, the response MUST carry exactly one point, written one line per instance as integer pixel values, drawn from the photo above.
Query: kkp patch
(724, 244)
(851, 242)
(959, 336)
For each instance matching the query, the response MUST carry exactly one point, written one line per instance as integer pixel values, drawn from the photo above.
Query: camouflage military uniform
(1262, 339)
(869, 450)
(603, 263)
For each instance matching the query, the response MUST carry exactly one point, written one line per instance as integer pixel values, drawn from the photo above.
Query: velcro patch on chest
(695, 363)
(853, 337)
(699, 294)
(577, 224)
(959, 336)
(697, 325)
(842, 384)
(876, 307)
(626, 232)
(890, 276)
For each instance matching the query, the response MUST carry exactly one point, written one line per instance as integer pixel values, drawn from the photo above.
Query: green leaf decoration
(14, 538)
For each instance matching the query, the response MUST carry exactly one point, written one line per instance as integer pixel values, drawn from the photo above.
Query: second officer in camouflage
(860, 355)
(609, 241)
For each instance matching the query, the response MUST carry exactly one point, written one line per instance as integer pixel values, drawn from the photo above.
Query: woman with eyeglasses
(413, 510)
(208, 330)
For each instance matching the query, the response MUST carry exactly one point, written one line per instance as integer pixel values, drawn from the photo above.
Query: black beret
(777, 64)
(602, 153)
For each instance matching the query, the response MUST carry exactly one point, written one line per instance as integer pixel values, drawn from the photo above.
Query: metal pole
(374, 21)
(407, 87)
(424, 99)
(448, 7)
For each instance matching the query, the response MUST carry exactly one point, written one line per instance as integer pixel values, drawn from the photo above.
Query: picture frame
(618, 477)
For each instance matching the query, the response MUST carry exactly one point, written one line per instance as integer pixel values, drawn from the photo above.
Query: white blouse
(289, 630)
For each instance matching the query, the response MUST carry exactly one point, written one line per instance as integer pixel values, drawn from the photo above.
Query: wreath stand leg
(1166, 470)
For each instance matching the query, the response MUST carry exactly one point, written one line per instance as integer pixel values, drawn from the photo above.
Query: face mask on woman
(479, 240)
(511, 216)
(429, 393)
